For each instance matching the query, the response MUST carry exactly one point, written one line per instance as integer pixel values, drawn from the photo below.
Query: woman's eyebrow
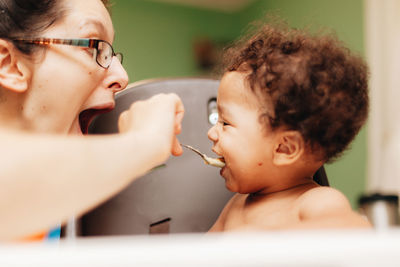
(97, 24)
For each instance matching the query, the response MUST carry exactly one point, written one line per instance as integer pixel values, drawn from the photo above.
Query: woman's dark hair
(29, 18)
(315, 84)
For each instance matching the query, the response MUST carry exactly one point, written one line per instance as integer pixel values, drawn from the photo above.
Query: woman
(57, 71)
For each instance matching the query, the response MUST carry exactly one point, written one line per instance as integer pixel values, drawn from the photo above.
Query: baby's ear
(289, 147)
(14, 75)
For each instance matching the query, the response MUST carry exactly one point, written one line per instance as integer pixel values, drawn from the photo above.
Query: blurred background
(176, 38)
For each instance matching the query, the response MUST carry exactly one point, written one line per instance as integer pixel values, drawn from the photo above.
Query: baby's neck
(283, 188)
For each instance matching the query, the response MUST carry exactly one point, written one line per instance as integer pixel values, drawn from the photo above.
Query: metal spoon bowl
(216, 162)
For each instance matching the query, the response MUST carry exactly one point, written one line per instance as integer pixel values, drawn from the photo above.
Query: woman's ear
(288, 148)
(14, 74)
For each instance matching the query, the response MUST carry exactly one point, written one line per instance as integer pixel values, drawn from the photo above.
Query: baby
(288, 103)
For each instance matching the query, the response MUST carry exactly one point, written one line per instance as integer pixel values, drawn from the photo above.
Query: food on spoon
(216, 162)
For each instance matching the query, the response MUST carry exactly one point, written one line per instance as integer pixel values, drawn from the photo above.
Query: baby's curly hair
(315, 84)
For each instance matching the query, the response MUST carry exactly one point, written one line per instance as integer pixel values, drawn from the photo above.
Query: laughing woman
(58, 69)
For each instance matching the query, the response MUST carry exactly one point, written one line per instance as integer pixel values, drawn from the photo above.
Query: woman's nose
(119, 75)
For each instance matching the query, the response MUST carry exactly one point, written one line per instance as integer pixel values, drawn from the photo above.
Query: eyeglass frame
(81, 42)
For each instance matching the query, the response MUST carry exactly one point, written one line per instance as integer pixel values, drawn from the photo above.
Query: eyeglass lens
(105, 54)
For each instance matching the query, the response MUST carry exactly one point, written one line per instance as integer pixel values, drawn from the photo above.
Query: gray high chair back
(183, 196)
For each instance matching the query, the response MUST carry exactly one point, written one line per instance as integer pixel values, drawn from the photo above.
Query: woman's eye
(225, 123)
(90, 51)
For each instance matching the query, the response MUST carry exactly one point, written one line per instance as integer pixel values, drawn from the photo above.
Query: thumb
(176, 147)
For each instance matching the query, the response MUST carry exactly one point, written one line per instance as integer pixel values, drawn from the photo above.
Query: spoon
(216, 162)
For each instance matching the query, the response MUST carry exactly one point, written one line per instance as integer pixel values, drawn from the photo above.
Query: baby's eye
(224, 123)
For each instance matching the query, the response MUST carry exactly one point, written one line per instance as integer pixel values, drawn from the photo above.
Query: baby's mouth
(219, 155)
(87, 116)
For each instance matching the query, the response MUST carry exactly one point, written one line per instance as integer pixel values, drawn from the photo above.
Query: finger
(179, 108)
(179, 114)
(122, 121)
(178, 123)
(176, 147)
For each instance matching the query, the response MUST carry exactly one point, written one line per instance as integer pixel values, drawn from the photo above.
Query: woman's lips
(87, 116)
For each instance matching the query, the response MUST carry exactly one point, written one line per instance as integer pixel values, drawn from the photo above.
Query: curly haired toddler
(288, 103)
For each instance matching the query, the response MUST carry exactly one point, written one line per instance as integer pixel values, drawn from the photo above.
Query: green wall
(157, 39)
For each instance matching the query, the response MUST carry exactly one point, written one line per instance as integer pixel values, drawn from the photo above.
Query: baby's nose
(212, 134)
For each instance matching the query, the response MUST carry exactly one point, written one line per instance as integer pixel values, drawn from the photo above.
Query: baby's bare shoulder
(326, 207)
(321, 201)
(322, 192)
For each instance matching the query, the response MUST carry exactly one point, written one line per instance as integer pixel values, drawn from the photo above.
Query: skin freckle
(260, 164)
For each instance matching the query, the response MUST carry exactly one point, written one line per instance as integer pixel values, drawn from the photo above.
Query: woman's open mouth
(87, 116)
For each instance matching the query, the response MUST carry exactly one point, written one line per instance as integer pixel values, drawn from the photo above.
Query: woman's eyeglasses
(104, 51)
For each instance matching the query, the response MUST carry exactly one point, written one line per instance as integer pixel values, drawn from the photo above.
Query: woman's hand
(159, 118)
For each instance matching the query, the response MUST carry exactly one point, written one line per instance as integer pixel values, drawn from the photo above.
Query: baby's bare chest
(266, 215)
